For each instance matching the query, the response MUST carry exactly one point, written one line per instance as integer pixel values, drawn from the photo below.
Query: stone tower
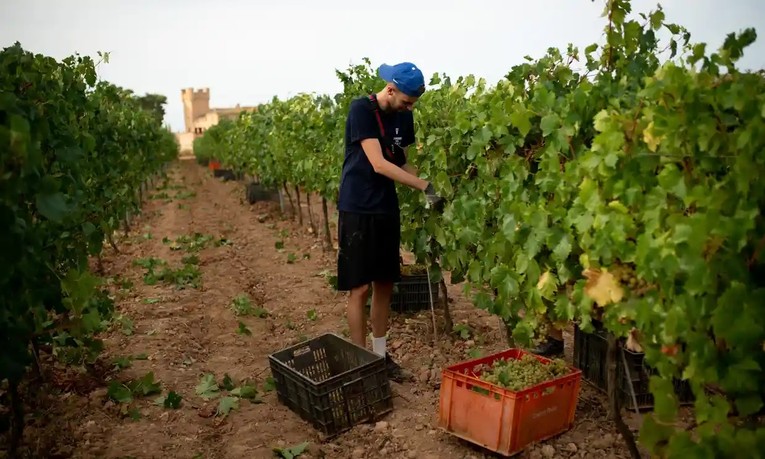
(195, 104)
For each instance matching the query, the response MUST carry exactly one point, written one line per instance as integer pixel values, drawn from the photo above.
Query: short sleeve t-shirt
(362, 190)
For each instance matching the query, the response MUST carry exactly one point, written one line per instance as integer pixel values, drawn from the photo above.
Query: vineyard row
(76, 155)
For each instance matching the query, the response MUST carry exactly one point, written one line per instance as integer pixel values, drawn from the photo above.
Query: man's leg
(357, 323)
(381, 295)
(386, 235)
(352, 271)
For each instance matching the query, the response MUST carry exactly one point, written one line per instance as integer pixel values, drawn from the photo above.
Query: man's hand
(431, 197)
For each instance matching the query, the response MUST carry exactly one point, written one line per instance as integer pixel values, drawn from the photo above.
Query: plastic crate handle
(488, 392)
(350, 383)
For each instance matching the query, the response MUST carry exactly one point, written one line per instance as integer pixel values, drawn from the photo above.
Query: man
(378, 130)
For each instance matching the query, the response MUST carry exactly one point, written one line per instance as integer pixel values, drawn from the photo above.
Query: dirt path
(188, 333)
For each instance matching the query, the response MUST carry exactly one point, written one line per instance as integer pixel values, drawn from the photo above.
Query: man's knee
(360, 290)
(383, 286)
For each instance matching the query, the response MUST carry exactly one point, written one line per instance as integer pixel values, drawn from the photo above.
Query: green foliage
(295, 141)
(172, 400)
(292, 451)
(242, 306)
(73, 153)
(243, 330)
(636, 155)
(126, 392)
(188, 275)
(209, 389)
(213, 144)
(154, 103)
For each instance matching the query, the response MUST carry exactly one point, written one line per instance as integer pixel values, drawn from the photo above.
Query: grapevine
(617, 183)
(73, 153)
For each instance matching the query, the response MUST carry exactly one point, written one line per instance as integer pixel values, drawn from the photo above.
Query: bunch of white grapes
(520, 374)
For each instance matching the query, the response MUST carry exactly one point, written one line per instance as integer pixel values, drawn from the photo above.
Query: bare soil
(187, 333)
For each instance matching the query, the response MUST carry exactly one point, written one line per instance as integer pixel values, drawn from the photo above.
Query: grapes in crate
(520, 374)
(413, 270)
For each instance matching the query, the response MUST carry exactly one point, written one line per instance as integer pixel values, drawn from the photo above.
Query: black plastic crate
(255, 192)
(225, 174)
(590, 350)
(332, 383)
(411, 293)
(590, 356)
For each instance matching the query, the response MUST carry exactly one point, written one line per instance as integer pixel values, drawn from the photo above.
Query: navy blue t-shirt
(363, 190)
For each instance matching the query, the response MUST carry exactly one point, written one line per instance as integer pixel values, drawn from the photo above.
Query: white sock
(378, 345)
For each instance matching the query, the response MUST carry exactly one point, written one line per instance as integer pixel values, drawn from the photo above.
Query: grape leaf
(173, 400)
(146, 385)
(292, 451)
(547, 285)
(520, 120)
(119, 392)
(207, 387)
(602, 287)
(749, 404)
(247, 391)
(52, 206)
(243, 330)
(562, 249)
(653, 433)
(228, 382)
(226, 404)
(549, 123)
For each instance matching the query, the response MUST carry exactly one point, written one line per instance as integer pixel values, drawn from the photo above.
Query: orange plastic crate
(213, 164)
(502, 420)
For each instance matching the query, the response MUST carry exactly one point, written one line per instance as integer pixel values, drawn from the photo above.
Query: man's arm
(374, 153)
(408, 167)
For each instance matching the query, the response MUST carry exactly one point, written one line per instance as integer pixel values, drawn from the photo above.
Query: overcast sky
(247, 51)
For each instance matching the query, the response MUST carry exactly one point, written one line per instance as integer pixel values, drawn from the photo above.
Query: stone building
(198, 116)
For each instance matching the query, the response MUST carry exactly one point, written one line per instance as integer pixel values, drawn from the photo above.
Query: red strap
(373, 99)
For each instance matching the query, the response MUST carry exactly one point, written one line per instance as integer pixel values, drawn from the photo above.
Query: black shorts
(368, 249)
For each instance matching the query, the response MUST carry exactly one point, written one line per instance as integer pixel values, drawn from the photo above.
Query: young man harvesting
(378, 130)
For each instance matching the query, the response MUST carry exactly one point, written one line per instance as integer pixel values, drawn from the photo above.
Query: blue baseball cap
(406, 76)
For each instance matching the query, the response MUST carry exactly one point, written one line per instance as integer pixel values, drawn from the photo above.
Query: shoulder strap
(375, 107)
